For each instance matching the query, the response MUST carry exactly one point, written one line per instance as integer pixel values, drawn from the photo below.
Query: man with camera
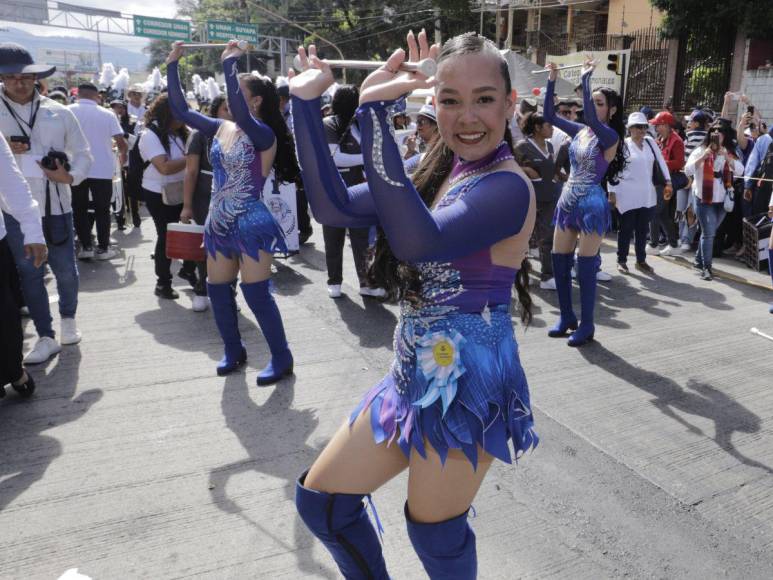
(53, 154)
(101, 128)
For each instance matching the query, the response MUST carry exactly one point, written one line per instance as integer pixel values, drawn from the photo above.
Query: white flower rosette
(439, 358)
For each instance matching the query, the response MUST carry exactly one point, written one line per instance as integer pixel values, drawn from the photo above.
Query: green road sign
(221, 31)
(162, 28)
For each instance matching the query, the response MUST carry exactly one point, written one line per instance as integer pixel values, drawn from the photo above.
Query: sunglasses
(565, 113)
(421, 121)
(642, 127)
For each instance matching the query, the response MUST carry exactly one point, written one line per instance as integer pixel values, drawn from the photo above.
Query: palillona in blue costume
(456, 380)
(239, 223)
(582, 207)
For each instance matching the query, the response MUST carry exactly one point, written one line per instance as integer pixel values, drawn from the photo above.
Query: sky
(129, 7)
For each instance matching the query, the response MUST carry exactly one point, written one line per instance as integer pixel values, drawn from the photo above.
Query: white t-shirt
(151, 147)
(100, 126)
(138, 112)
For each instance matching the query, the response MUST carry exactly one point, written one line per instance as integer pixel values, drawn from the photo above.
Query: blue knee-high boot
(264, 308)
(562, 272)
(447, 549)
(340, 522)
(586, 275)
(221, 297)
(770, 268)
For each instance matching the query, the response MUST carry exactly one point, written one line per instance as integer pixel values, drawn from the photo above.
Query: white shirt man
(135, 107)
(101, 128)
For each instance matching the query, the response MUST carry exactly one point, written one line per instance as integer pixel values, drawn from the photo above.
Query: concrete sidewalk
(134, 460)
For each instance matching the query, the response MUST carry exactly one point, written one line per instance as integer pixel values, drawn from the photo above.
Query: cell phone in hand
(750, 109)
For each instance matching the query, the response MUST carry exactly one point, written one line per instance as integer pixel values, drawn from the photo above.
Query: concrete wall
(629, 15)
(758, 86)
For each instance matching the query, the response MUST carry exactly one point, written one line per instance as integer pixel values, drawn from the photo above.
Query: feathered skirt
(244, 228)
(583, 208)
(456, 383)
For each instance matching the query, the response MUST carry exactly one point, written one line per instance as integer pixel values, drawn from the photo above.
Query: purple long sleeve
(607, 135)
(261, 135)
(332, 203)
(179, 105)
(549, 111)
(492, 210)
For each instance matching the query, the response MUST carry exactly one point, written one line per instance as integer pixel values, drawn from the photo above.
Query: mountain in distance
(73, 46)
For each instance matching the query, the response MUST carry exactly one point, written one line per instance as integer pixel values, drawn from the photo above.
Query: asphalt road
(134, 461)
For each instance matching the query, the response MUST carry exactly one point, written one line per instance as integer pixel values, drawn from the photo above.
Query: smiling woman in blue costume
(240, 233)
(456, 396)
(582, 214)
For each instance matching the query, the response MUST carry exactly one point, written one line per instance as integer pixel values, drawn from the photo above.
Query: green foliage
(711, 17)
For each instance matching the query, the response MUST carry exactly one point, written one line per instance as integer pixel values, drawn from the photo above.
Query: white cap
(428, 111)
(636, 119)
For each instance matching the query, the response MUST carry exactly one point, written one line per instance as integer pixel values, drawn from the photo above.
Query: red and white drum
(185, 242)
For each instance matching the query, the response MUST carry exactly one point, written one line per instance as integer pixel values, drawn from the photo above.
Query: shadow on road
(274, 436)
(372, 323)
(700, 399)
(26, 452)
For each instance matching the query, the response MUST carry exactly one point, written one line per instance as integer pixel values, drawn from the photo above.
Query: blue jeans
(710, 216)
(61, 260)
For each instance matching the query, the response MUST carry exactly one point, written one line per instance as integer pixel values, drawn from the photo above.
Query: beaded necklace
(463, 169)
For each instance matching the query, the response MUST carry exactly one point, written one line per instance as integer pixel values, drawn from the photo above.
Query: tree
(754, 17)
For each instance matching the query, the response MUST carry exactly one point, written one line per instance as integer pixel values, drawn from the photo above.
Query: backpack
(137, 165)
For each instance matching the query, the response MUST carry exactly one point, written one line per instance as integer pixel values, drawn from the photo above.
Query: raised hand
(315, 76)
(553, 68)
(588, 66)
(389, 83)
(176, 52)
(232, 49)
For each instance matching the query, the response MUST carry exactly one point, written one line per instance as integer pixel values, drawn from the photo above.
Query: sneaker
(685, 247)
(697, 265)
(670, 251)
(623, 268)
(199, 303)
(69, 332)
(707, 274)
(533, 253)
(602, 276)
(373, 292)
(136, 221)
(549, 284)
(107, 254)
(334, 290)
(45, 348)
(645, 267)
(166, 292)
(86, 253)
(652, 250)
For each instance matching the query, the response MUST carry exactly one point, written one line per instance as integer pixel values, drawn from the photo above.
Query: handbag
(658, 179)
(679, 180)
(172, 193)
(729, 202)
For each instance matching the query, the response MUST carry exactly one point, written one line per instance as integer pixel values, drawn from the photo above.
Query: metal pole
(481, 17)
(99, 49)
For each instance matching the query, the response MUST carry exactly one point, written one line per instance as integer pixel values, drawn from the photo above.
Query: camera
(50, 159)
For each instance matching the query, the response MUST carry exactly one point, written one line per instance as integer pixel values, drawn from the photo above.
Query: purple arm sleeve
(331, 202)
(549, 111)
(607, 135)
(180, 109)
(260, 134)
(492, 210)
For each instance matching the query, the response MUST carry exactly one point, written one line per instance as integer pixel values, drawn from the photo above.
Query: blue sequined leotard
(239, 223)
(456, 381)
(583, 204)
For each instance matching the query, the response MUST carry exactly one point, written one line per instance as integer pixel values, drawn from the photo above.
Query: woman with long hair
(197, 193)
(344, 142)
(582, 215)
(240, 233)
(162, 147)
(713, 165)
(454, 240)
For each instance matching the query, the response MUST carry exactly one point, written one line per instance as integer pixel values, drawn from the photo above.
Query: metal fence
(703, 69)
(646, 68)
